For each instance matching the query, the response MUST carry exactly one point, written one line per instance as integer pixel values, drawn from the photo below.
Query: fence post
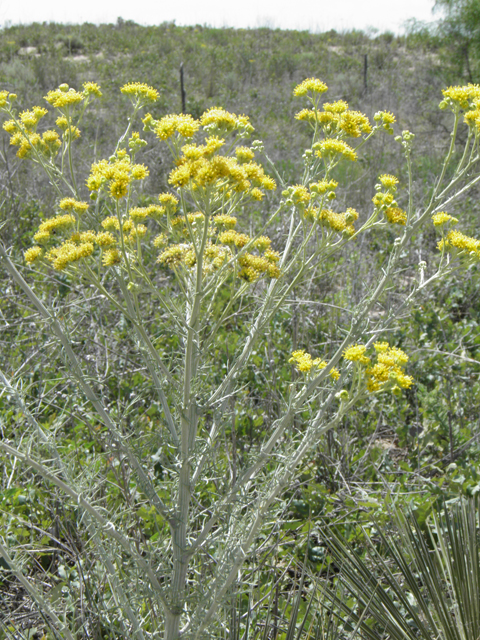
(182, 89)
(365, 72)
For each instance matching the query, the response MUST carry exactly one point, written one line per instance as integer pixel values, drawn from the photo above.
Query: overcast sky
(313, 15)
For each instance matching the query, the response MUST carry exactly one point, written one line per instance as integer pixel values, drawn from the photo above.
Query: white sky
(313, 15)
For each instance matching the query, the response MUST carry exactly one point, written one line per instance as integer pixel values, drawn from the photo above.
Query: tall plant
(176, 269)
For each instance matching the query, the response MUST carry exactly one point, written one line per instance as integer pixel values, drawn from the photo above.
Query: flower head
(310, 84)
(140, 91)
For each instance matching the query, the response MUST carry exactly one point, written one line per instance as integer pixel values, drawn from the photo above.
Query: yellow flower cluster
(332, 147)
(339, 222)
(132, 227)
(68, 252)
(6, 97)
(395, 215)
(297, 195)
(139, 214)
(64, 96)
(244, 154)
(207, 150)
(304, 363)
(23, 131)
(356, 353)
(462, 243)
(387, 119)
(116, 174)
(169, 201)
(323, 186)
(32, 254)
(218, 120)
(184, 254)
(388, 181)
(53, 226)
(310, 84)
(337, 119)
(254, 267)
(70, 131)
(224, 172)
(74, 244)
(442, 218)
(24, 134)
(387, 368)
(232, 237)
(82, 245)
(92, 89)
(224, 220)
(140, 91)
(220, 249)
(70, 204)
(385, 200)
(460, 97)
(183, 124)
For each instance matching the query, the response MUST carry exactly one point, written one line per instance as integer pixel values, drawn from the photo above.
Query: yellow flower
(256, 194)
(459, 241)
(310, 84)
(307, 115)
(323, 186)
(52, 225)
(299, 194)
(10, 126)
(183, 124)
(111, 257)
(334, 373)
(354, 123)
(92, 89)
(140, 91)
(460, 96)
(388, 181)
(381, 347)
(160, 241)
(336, 107)
(3, 98)
(64, 97)
(303, 361)
(385, 116)
(442, 218)
(332, 147)
(395, 215)
(111, 223)
(219, 118)
(105, 239)
(31, 118)
(67, 253)
(32, 254)
(244, 154)
(119, 188)
(356, 353)
(69, 204)
(225, 221)
(139, 172)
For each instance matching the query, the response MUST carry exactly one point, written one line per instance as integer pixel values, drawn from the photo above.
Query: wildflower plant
(192, 249)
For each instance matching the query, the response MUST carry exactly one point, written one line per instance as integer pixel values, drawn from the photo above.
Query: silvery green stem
(106, 526)
(36, 596)
(75, 369)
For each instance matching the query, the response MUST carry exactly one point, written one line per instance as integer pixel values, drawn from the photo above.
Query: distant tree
(461, 27)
